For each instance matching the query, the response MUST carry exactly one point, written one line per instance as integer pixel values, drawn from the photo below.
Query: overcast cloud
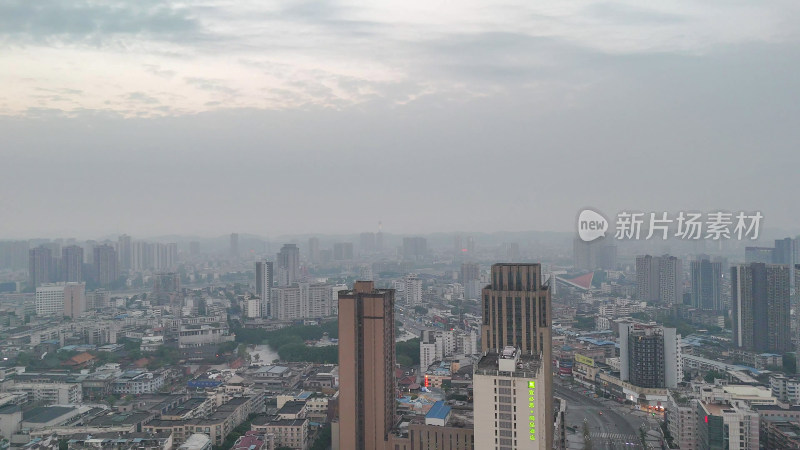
(208, 117)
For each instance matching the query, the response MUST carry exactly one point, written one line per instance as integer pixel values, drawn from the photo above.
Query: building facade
(264, 280)
(517, 312)
(760, 304)
(706, 284)
(650, 355)
(510, 402)
(366, 367)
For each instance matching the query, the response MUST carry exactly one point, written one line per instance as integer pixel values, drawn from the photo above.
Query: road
(615, 429)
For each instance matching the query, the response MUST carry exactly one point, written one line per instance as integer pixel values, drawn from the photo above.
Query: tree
(323, 440)
(584, 323)
(404, 360)
(713, 375)
(789, 363)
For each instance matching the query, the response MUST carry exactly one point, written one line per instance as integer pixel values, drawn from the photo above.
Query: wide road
(614, 429)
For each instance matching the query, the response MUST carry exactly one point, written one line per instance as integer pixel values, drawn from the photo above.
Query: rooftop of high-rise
(508, 362)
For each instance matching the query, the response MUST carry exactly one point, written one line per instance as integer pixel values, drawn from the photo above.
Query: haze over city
(270, 118)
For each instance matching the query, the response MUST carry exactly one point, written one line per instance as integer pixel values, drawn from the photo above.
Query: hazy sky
(206, 117)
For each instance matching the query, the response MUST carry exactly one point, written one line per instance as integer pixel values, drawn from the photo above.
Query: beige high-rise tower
(517, 313)
(366, 367)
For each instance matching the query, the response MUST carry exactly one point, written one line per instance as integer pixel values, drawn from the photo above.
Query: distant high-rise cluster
(599, 254)
(415, 248)
(343, 251)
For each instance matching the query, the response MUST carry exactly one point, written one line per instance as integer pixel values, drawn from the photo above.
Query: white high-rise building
(413, 290)
(509, 401)
(264, 279)
(427, 354)
(302, 301)
(50, 299)
(252, 307)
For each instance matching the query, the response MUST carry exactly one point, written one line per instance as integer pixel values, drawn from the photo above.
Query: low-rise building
(196, 441)
(137, 382)
(48, 389)
(292, 433)
(113, 441)
(254, 440)
(785, 389)
(780, 434)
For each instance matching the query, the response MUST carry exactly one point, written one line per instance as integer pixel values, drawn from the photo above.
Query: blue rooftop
(438, 411)
(596, 341)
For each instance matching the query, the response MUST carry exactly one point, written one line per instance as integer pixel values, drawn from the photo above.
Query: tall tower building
(517, 313)
(760, 304)
(72, 262)
(469, 272)
(264, 280)
(366, 367)
(74, 299)
(413, 290)
(786, 253)
(234, 245)
(288, 264)
(650, 355)
(706, 284)
(511, 395)
(106, 270)
(659, 279)
(124, 249)
(40, 266)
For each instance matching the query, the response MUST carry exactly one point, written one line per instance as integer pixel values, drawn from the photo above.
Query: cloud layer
(154, 58)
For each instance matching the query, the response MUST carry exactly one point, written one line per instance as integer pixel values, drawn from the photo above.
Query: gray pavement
(616, 428)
